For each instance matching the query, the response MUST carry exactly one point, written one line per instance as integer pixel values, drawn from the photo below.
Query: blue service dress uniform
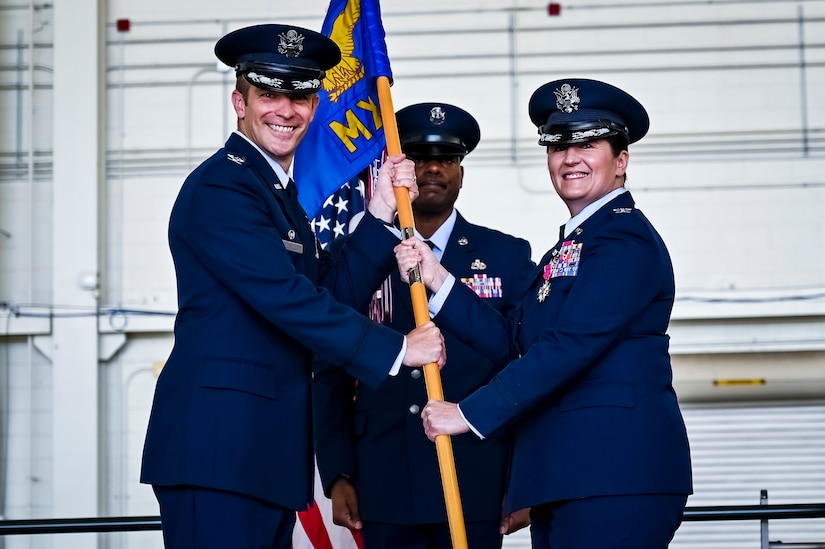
(374, 435)
(589, 387)
(232, 404)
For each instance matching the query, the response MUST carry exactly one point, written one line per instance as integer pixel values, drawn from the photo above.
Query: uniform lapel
(539, 270)
(298, 216)
(460, 247)
(299, 231)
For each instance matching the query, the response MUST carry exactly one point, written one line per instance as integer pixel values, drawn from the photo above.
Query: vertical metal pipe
(5, 396)
(511, 34)
(31, 251)
(803, 82)
(112, 199)
(763, 523)
(19, 139)
(5, 381)
(190, 119)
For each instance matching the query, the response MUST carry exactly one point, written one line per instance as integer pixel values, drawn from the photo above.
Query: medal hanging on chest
(544, 289)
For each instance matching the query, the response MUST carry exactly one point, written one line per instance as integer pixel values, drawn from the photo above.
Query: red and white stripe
(314, 528)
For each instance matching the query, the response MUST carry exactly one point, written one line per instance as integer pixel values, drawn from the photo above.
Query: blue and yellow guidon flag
(347, 133)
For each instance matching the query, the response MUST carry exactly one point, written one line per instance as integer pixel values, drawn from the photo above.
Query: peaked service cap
(280, 58)
(437, 129)
(577, 110)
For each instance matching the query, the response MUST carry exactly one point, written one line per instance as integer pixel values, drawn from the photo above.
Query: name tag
(293, 246)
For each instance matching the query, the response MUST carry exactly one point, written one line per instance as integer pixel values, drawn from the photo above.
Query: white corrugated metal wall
(740, 450)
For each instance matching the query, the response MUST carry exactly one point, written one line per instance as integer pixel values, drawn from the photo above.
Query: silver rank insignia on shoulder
(622, 210)
(236, 159)
(463, 241)
(478, 265)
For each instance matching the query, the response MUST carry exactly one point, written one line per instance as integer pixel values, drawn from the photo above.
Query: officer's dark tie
(293, 207)
(292, 193)
(299, 217)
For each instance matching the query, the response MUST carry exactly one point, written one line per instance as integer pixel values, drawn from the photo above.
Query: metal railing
(763, 512)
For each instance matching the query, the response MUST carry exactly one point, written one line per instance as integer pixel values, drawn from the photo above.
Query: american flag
(339, 216)
(314, 528)
(343, 209)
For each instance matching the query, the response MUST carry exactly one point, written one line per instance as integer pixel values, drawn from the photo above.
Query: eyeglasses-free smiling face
(276, 122)
(584, 172)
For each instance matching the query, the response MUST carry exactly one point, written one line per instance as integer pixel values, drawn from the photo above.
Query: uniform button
(414, 409)
(415, 374)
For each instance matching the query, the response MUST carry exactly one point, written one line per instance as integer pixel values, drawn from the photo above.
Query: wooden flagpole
(418, 292)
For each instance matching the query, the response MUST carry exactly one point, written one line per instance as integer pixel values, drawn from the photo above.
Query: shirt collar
(282, 175)
(589, 210)
(441, 237)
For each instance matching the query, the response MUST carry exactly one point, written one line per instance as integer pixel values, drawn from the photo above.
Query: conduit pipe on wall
(803, 83)
(5, 394)
(189, 109)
